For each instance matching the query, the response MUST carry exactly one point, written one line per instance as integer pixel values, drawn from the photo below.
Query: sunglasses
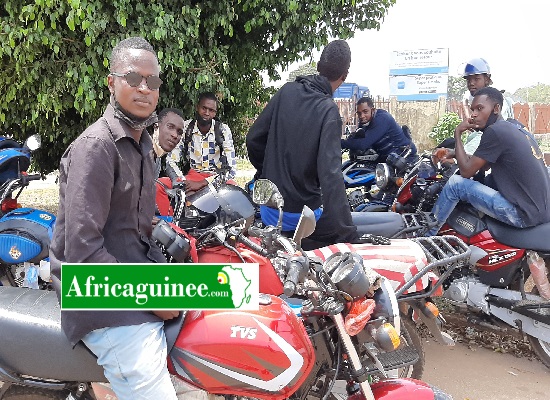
(134, 79)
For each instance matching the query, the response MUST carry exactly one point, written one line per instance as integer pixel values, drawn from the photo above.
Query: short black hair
(335, 60)
(165, 111)
(209, 96)
(491, 93)
(135, 42)
(367, 100)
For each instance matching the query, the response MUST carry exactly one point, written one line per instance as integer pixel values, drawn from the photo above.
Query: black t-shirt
(517, 166)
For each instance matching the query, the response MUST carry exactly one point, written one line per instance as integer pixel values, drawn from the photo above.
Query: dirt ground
(478, 373)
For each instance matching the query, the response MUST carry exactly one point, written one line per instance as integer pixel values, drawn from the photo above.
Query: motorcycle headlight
(382, 175)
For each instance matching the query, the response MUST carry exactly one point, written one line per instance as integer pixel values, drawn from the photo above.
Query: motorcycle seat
(533, 238)
(378, 223)
(33, 342)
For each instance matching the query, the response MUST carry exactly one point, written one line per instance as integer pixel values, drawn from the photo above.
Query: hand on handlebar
(443, 155)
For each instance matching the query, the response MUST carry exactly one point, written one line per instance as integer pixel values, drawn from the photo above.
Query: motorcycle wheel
(540, 347)
(410, 335)
(29, 393)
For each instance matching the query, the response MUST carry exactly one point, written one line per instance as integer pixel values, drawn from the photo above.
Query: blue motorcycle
(359, 174)
(25, 233)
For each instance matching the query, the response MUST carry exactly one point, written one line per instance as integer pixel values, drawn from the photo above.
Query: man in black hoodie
(295, 143)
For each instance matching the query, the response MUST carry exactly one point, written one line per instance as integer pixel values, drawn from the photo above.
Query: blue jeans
(481, 197)
(134, 360)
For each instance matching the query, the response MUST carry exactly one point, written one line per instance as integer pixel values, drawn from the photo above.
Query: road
(482, 374)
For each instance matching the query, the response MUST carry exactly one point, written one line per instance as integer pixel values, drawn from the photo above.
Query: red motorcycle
(398, 263)
(295, 348)
(505, 285)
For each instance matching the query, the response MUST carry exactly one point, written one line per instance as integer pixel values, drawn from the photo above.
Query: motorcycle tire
(540, 347)
(15, 392)
(410, 334)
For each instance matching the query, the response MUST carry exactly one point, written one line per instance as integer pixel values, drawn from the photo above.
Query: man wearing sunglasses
(106, 204)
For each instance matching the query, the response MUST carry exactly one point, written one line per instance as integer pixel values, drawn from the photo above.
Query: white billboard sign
(418, 87)
(422, 61)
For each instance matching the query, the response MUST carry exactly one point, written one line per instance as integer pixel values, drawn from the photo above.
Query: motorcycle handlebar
(33, 177)
(239, 237)
(254, 231)
(297, 267)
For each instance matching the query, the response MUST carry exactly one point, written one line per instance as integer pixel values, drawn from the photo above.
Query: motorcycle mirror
(266, 192)
(306, 225)
(33, 142)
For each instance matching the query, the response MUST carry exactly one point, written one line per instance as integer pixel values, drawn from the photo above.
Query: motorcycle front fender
(406, 388)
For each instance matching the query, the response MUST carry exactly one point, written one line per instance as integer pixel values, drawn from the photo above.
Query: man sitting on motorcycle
(520, 190)
(166, 136)
(205, 148)
(379, 131)
(477, 74)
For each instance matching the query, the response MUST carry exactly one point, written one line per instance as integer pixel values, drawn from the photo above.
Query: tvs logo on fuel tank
(243, 332)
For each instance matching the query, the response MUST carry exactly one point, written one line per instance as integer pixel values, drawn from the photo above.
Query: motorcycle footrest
(393, 360)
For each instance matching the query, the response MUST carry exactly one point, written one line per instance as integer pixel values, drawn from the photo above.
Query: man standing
(206, 146)
(295, 143)
(521, 192)
(106, 204)
(379, 131)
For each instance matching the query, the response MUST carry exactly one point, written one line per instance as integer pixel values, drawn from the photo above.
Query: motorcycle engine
(458, 289)
(356, 198)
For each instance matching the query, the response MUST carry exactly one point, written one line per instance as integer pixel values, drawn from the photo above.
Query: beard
(203, 122)
(490, 121)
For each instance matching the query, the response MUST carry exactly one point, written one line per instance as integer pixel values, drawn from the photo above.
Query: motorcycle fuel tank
(264, 354)
(269, 280)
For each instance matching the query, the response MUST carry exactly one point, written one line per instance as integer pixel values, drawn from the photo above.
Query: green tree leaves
(539, 93)
(54, 56)
(456, 87)
(445, 127)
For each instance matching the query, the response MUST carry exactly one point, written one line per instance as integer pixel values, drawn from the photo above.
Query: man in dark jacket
(106, 204)
(295, 143)
(379, 131)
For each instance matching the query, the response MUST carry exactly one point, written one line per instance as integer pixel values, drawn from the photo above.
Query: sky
(511, 35)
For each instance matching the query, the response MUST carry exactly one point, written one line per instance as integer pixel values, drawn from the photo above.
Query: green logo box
(159, 286)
